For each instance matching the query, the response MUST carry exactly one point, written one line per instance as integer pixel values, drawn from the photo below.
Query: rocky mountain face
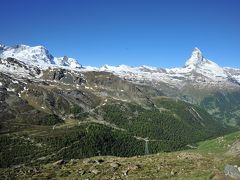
(71, 111)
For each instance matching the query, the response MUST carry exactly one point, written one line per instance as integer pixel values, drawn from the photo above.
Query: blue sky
(134, 32)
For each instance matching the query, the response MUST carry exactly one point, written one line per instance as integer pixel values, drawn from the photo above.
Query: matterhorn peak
(196, 58)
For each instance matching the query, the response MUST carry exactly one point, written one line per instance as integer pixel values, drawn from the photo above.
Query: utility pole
(146, 146)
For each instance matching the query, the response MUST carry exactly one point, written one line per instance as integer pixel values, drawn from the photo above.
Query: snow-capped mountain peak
(196, 58)
(36, 55)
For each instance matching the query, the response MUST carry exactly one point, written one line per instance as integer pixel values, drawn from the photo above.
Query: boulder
(133, 167)
(219, 176)
(114, 165)
(234, 149)
(95, 171)
(232, 171)
(173, 172)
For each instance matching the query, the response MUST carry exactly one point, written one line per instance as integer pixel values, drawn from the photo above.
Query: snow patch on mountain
(233, 72)
(18, 69)
(211, 70)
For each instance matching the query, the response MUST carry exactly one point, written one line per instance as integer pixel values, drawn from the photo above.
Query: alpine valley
(55, 113)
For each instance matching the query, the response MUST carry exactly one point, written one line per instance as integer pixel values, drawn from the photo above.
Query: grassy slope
(219, 145)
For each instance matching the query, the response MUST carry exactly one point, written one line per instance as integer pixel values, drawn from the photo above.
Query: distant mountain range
(197, 70)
